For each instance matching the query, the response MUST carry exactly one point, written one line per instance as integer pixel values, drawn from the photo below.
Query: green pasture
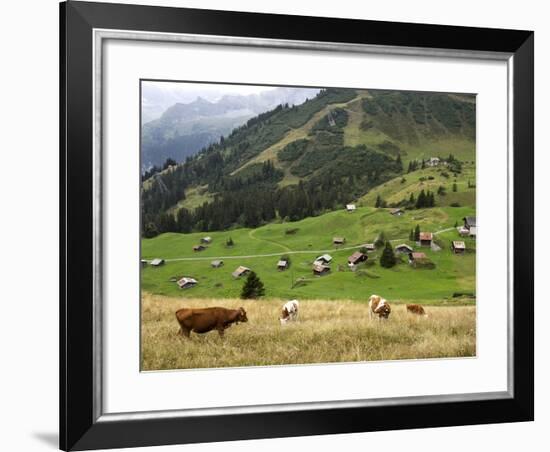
(311, 236)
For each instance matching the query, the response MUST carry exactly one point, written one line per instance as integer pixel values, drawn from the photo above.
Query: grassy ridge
(326, 332)
(452, 274)
(395, 190)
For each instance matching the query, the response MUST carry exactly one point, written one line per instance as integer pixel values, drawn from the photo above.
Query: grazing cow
(208, 319)
(416, 309)
(379, 306)
(289, 312)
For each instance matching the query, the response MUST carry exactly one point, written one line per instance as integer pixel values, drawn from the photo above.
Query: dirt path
(287, 250)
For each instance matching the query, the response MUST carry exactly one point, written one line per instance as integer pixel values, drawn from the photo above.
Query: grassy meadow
(261, 248)
(430, 179)
(326, 332)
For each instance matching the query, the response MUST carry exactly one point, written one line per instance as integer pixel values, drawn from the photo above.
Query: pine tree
(454, 187)
(150, 230)
(399, 163)
(229, 242)
(412, 200)
(432, 200)
(253, 287)
(387, 260)
(421, 200)
(411, 236)
(184, 220)
(378, 202)
(417, 233)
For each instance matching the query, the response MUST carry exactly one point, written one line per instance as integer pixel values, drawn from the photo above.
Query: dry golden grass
(326, 332)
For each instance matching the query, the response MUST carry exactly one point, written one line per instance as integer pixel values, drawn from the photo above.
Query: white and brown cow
(289, 312)
(379, 307)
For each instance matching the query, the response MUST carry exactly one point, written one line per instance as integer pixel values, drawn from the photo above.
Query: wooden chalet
(338, 240)
(463, 231)
(157, 262)
(472, 232)
(187, 283)
(350, 207)
(324, 259)
(357, 258)
(426, 238)
(403, 248)
(282, 265)
(206, 240)
(199, 248)
(469, 222)
(369, 247)
(397, 212)
(240, 271)
(216, 264)
(320, 269)
(433, 161)
(458, 247)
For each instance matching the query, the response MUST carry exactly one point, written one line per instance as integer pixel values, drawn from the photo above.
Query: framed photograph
(281, 226)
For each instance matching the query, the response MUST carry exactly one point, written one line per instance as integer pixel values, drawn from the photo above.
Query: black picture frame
(80, 427)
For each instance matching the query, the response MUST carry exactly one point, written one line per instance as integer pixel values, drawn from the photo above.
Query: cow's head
(384, 311)
(242, 315)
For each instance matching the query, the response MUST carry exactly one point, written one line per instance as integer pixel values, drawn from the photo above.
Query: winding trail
(250, 256)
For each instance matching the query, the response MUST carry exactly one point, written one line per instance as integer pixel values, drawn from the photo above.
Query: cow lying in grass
(379, 307)
(207, 319)
(289, 312)
(416, 309)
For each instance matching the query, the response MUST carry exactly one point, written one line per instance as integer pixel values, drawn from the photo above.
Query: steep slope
(298, 161)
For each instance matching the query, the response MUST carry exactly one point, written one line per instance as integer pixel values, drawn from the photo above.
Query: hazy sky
(158, 96)
(210, 91)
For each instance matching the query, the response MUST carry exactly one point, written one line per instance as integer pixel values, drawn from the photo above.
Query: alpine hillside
(298, 161)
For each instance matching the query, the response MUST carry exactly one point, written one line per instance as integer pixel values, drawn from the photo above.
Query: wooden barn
(403, 248)
(206, 240)
(357, 258)
(282, 265)
(324, 259)
(472, 232)
(397, 212)
(458, 247)
(157, 262)
(469, 222)
(369, 247)
(426, 238)
(216, 264)
(338, 240)
(350, 207)
(320, 269)
(240, 271)
(187, 283)
(199, 248)
(463, 231)
(143, 263)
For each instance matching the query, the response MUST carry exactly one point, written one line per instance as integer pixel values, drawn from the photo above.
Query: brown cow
(208, 319)
(416, 309)
(379, 306)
